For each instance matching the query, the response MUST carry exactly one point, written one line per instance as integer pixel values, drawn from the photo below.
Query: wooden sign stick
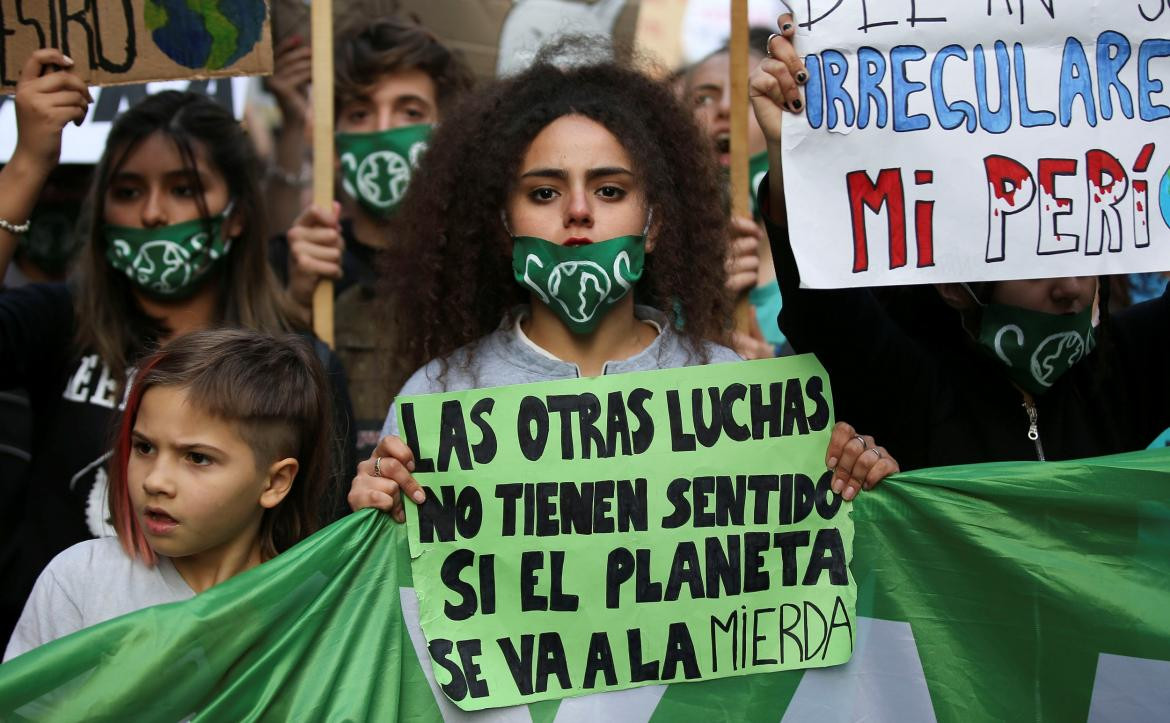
(322, 40)
(745, 315)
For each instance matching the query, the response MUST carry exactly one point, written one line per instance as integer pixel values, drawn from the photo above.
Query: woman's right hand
(775, 83)
(314, 246)
(393, 462)
(46, 100)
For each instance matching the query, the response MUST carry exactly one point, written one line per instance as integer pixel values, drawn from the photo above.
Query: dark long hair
(449, 265)
(273, 389)
(109, 321)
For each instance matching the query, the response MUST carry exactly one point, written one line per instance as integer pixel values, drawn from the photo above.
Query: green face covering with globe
(580, 284)
(376, 167)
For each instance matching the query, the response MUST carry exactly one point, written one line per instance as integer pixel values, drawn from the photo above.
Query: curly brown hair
(449, 269)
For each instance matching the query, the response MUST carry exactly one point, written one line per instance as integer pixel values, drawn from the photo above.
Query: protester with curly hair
(552, 200)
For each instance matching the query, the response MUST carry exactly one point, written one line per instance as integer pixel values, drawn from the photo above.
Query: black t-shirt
(75, 405)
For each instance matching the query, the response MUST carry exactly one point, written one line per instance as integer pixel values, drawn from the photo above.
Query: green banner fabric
(632, 529)
(1025, 591)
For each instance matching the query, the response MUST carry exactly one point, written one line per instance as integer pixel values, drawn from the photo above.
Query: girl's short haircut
(109, 320)
(449, 268)
(366, 52)
(273, 389)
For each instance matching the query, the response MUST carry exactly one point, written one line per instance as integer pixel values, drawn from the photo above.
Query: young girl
(220, 464)
(547, 200)
(175, 243)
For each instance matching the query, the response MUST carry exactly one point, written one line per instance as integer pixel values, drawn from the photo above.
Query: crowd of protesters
(170, 420)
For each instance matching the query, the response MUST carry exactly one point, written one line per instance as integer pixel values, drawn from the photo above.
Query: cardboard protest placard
(492, 35)
(134, 41)
(635, 529)
(979, 141)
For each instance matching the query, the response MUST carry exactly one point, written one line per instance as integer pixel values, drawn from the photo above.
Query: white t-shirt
(89, 583)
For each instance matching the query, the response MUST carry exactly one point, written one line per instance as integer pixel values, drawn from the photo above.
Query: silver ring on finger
(377, 466)
(768, 45)
(864, 445)
(875, 450)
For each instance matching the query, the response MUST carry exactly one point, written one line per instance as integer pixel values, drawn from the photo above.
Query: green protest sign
(628, 530)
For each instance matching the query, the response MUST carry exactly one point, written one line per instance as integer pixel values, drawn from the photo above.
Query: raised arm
(48, 96)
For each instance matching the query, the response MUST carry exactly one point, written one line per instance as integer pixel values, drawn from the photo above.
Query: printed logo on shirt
(92, 383)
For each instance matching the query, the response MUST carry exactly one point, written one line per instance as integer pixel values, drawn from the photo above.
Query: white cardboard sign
(979, 140)
(85, 143)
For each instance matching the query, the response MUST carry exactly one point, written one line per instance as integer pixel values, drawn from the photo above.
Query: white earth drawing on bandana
(416, 152)
(623, 259)
(161, 265)
(1067, 344)
(381, 166)
(1016, 332)
(593, 286)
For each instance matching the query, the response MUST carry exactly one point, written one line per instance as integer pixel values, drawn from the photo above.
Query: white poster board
(975, 141)
(85, 143)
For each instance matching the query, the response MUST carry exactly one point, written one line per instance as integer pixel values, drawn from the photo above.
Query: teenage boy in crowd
(393, 80)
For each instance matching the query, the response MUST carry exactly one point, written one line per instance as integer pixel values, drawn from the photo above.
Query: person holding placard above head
(393, 81)
(706, 87)
(1021, 369)
(174, 242)
(569, 225)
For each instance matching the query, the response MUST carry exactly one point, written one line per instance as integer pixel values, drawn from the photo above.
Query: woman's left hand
(289, 82)
(857, 461)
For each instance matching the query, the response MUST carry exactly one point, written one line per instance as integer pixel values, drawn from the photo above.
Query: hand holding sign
(46, 100)
(382, 477)
(857, 461)
(314, 251)
(775, 83)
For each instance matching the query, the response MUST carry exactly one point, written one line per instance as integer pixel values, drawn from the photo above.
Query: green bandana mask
(579, 283)
(376, 167)
(1036, 346)
(757, 169)
(171, 261)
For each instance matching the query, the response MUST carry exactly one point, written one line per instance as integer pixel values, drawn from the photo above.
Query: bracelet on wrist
(287, 178)
(14, 228)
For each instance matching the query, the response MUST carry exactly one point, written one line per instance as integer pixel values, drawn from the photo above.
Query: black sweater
(73, 399)
(934, 399)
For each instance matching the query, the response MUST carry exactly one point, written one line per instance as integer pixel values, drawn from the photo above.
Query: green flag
(1014, 591)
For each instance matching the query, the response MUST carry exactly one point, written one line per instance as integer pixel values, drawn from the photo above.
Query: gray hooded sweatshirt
(507, 356)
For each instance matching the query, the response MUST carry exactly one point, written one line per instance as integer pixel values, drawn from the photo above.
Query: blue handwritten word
(879, 92)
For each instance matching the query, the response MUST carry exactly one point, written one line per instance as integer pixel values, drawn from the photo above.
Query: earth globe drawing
(1164, 197)
(207, 35)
